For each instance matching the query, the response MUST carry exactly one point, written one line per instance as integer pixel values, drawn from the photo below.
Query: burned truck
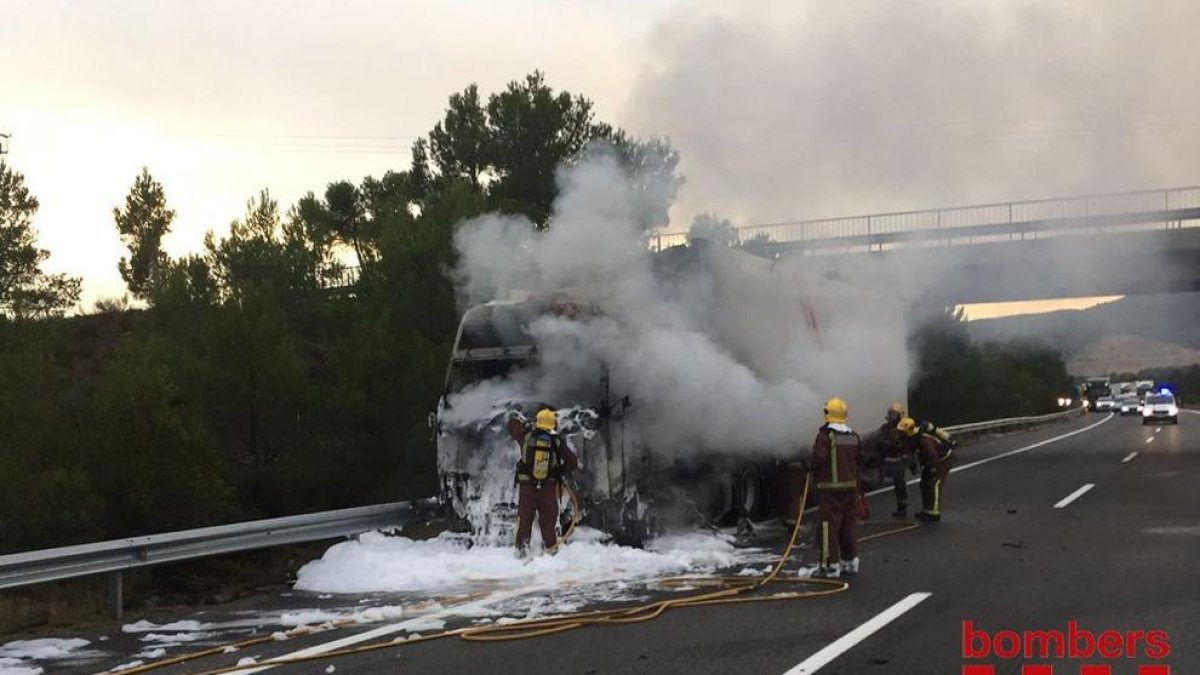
(630, 485)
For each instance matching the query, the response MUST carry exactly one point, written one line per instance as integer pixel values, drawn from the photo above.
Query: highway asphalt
(1024, 545)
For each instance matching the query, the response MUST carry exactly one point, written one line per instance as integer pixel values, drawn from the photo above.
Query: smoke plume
(789, 110)
(729, 360)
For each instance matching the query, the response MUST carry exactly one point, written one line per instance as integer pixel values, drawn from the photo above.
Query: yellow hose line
(728, 591)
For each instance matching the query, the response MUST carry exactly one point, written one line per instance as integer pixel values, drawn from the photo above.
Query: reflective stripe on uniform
(937, 497)
(833, 456)
(825, 542)
(838, 485)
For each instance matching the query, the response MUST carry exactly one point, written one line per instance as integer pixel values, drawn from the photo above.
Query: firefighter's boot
(849, 567)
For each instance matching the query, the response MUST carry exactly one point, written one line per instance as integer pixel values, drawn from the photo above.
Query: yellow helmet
(908, 425)
(546, 420)
(835, 410)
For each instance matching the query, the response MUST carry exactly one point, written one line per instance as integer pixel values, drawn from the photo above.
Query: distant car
(1105, 403)
(1160, 406)
(1128, 404)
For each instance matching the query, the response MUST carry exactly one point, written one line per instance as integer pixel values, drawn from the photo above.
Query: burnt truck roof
(500, 329)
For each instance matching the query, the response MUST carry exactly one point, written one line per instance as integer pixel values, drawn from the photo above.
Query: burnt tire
(750, 495)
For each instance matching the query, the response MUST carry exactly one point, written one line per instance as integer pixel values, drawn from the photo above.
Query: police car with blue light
(1160, 405)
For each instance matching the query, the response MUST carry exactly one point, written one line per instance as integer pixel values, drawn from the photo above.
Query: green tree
(651, 165)
(262, 250)
(25, 290)
(714, 228)
(958, 381)
(532, 131)
(49, 497)
(419, 177)
(142, 225)
(460, 143)
(154, 460)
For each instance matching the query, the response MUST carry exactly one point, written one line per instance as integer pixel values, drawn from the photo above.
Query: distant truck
(627, 487)
(1094, 389)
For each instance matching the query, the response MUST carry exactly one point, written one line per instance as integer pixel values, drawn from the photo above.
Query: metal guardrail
(34, 567)
(116, 556)
(119, 555)
(1011, 423)
(1090, 214)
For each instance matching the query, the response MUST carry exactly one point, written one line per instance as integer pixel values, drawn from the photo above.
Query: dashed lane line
(1151, 439)
(1129, 457)
(843, 644)
(1074, 495)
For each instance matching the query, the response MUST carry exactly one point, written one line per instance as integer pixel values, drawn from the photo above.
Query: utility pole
(4, 143)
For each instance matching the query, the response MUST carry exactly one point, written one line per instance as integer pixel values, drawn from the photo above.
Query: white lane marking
(839, 646)
(1074, 495)
(1129, 458)
(381, 631)
(1027, 448)
(1157, 429)
(993, 458)
(1148, 440)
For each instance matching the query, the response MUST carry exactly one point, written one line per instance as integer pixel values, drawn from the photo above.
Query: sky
(780, 110)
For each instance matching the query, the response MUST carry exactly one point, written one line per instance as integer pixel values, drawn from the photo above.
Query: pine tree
(142, 224)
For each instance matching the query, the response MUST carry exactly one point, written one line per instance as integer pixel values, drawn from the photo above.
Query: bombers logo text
(1075, 644)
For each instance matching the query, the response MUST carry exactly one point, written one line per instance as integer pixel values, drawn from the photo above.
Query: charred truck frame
(624, 486)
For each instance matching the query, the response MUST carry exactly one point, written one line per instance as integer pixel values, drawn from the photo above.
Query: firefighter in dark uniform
(896, 461)
(545, 457)
(834, 463)
(934, 450)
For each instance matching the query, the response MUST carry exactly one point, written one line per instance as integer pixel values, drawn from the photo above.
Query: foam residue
(377, 563)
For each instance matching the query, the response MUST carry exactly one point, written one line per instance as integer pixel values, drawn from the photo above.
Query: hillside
(1171, 324)
(1129, 354)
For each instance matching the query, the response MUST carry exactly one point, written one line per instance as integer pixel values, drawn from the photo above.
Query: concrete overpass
(1118, 244)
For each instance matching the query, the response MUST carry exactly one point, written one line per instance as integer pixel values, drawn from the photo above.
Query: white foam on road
(9, 666)
(148, 627)
(21, 657)
(379, 563)
(46, 649)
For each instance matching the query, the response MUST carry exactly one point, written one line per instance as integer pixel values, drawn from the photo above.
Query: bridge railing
(1090, 214)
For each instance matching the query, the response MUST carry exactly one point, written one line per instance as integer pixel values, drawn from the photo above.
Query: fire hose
(726, 590)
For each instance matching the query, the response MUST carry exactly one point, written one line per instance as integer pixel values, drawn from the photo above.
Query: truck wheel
(750, 495)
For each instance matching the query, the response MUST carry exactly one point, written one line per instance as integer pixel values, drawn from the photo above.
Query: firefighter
(934, 450)
(895, 458)
(545, 457)
(834, 462)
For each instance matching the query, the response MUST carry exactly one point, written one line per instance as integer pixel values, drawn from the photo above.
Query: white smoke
(733, 367)
(787, 109)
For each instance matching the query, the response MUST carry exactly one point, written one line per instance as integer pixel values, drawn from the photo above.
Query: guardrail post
(116, 600)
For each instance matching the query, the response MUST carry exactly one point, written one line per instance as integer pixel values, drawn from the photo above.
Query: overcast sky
(780, 109)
